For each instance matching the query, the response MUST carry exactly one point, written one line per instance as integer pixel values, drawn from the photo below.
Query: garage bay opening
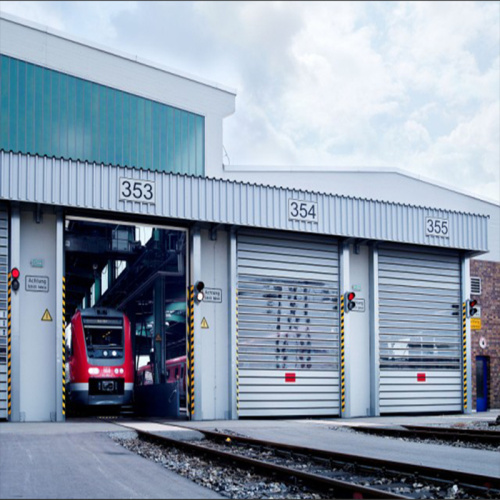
(125, 316)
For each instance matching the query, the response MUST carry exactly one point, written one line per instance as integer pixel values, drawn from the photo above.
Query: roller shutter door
(288, 325)
(420, 330)
(4, 241)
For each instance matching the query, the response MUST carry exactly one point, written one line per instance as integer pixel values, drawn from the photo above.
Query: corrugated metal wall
(96, 186)
(46, 112)
(420, 330)
(4, 263)
(288, 325)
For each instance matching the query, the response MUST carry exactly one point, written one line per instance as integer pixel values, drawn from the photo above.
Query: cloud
(413, 85)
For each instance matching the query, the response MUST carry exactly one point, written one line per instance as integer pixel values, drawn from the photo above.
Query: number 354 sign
(302, 210)
(137, 190)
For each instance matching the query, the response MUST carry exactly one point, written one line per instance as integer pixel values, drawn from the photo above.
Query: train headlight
(121, 370)
(114, 353)
(93, 371)
(116, 371)
(105, 353)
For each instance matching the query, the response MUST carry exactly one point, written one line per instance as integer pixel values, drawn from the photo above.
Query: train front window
(104, 341)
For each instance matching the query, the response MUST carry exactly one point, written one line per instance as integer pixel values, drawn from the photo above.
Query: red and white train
(101, 360)
(175, 371)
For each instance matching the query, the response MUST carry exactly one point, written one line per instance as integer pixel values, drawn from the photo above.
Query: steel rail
(443, 433)
(470, 480)
(316, 481)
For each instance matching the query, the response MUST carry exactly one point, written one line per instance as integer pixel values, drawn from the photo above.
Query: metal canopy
(69, 183)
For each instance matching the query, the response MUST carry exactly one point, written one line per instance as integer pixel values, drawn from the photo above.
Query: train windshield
(104, 341)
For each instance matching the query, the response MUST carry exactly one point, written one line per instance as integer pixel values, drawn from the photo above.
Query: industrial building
(323, 293)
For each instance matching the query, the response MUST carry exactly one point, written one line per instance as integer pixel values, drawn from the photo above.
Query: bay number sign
(137, 190)
(303, 210)
(437, 227)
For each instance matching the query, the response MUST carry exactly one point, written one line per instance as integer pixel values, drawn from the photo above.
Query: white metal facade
(288, 325)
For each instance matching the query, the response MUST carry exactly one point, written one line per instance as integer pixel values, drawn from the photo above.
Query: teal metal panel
(48, 113)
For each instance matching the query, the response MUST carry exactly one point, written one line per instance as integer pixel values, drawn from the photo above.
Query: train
(175, 371)
(100, 359)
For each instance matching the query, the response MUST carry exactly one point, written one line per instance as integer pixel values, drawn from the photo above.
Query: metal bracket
(213, 231)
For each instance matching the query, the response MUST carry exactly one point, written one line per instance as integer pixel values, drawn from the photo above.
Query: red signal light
(15, 276)
(472, 308)
(349, 298)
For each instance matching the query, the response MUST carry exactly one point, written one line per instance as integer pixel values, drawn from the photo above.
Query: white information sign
(37, 283)
(360, 305)
(213, 295)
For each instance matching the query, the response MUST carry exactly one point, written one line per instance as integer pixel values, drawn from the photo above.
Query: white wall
(38, 338)
(212, 343)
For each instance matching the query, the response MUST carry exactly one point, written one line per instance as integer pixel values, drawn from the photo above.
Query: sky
(411, 85)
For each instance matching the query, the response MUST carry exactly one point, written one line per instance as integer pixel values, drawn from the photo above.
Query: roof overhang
(92, 186)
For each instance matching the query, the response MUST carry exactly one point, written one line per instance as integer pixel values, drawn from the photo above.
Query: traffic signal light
(349, 301)
(472, 309)
(199, 293)
(15, 278)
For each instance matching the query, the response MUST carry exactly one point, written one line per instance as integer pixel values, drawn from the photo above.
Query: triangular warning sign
(204, 323)
(46, 316)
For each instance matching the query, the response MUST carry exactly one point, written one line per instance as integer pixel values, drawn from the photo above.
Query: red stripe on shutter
(420, 377)
(289, 377)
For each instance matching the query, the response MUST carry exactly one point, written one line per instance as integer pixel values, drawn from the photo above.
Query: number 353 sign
(137, 190)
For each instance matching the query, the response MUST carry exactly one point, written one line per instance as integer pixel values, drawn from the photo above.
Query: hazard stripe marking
(9, 346)
(190, 354)
(63, 346)
(464, 357)
(342, 354)
(237, 364)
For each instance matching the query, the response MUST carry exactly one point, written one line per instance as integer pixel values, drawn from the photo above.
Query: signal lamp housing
(15, 274)
(199, 293)
(472, 309)
(349, 300)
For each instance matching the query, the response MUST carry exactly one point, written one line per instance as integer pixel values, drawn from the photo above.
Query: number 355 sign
(137, 190)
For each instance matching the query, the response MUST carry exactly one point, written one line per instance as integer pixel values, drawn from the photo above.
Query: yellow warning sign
(204, 323)
(46, 316)
(475, 323)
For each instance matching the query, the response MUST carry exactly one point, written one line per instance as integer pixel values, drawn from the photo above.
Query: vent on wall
(475, 285)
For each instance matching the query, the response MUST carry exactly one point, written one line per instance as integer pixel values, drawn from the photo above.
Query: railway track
(340, 475)
(435, 432)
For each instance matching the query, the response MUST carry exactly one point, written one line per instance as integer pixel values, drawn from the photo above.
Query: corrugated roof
(94, 186)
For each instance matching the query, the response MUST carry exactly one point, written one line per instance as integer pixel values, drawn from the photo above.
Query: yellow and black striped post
(63, 346)
(342, 354)
(464, 345)
(237, 363)
(9, 346)
(190, 355)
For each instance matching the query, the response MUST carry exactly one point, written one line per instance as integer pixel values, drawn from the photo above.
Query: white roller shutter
(4, 242)
(288, 325)
(420, 330)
